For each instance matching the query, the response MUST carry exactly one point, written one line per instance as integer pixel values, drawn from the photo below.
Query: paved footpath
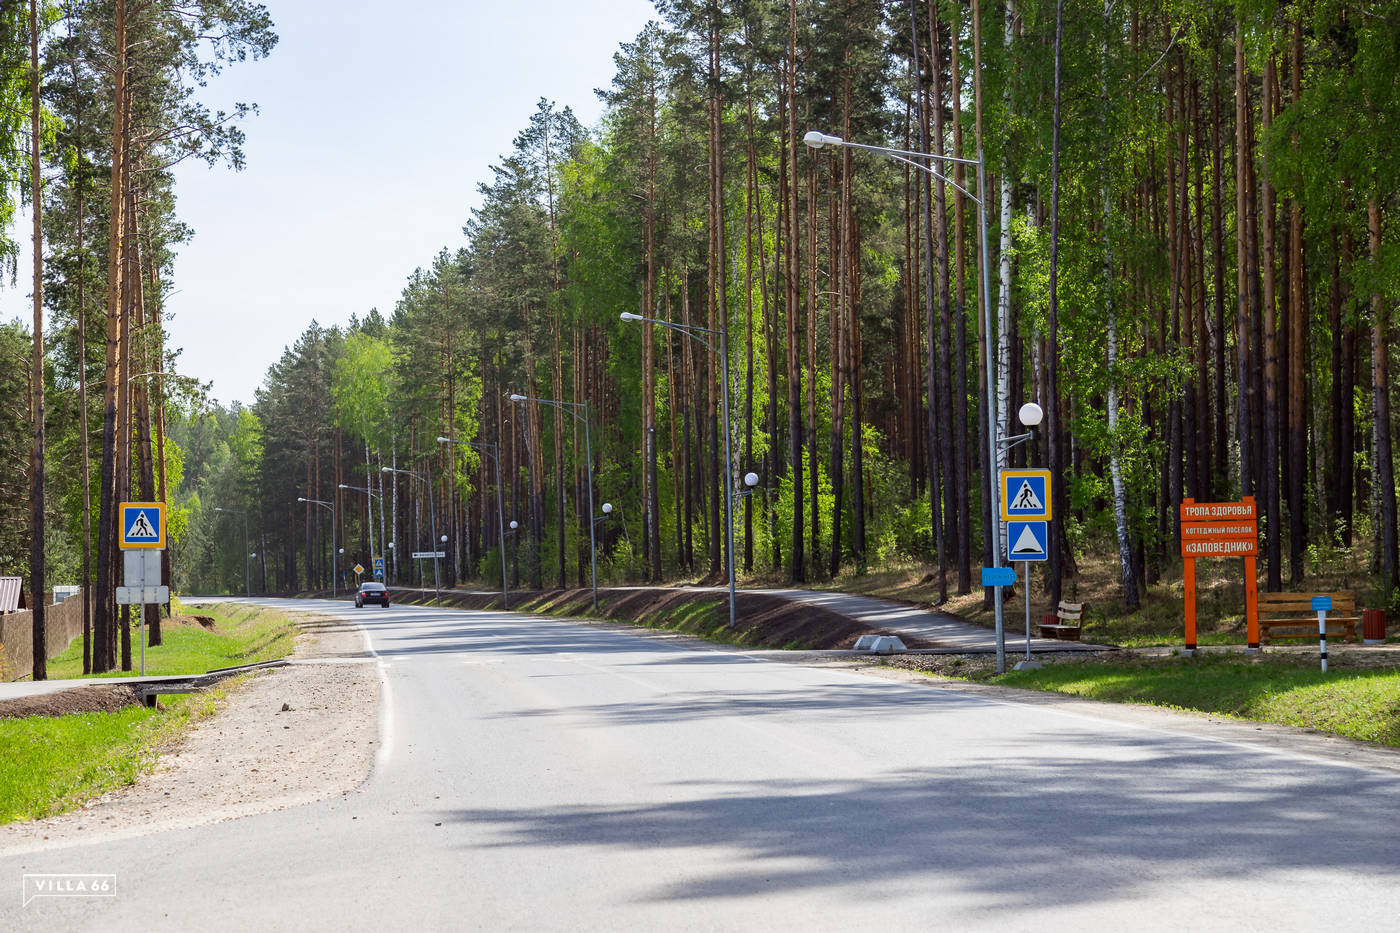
(946, 631)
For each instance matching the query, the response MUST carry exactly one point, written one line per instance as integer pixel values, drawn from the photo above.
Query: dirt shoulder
(250, 757)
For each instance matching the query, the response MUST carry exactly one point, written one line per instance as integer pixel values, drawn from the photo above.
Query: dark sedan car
(372, 592)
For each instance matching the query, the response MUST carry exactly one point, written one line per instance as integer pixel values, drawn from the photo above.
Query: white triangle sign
(1027, 543)
(141, 528)
(1026, 499)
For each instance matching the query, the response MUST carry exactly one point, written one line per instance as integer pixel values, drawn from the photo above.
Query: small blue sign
(1029, 541)
(379, 566)
(1322, 604)
(998, 576)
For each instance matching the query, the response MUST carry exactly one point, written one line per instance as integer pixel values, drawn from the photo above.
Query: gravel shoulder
(250, 757)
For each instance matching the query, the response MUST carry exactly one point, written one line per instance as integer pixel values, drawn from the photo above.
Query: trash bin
(1372, 626)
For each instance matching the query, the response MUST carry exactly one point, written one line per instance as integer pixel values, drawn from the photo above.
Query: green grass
(241, 635)
(1358, 704)
(53, 764)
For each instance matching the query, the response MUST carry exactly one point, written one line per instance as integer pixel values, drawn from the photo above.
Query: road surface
(538, 774)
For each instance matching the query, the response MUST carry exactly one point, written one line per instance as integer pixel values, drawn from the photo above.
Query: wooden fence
(62, 624)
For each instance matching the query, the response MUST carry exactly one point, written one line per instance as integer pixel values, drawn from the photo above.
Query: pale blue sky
(377, 122)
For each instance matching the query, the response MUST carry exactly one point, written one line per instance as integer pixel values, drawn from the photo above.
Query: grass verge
(240, 635)
(1351, 701)
(52, 764)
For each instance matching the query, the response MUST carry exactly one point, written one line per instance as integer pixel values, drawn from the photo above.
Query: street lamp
(570, 407)
(607, 512)
(492, 451)
(432, 518)
(816, 140)
(370, 496)
(247, 588)
(698, 334)
(335, 563)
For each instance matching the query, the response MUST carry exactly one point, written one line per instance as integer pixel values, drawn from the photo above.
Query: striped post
(1322, 604)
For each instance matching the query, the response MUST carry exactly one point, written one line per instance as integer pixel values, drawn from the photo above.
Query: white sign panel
(142, 568)
(137, 595)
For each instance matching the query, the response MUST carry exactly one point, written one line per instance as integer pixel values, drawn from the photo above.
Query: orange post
(1190, 564)
(1251, 603)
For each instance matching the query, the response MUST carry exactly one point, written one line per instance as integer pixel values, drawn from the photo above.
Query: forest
(1179, 244)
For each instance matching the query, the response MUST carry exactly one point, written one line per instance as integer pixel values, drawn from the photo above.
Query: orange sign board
(1221, 529)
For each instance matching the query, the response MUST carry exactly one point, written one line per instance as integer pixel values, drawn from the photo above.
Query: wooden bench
(1291, 615)
(1069, 619)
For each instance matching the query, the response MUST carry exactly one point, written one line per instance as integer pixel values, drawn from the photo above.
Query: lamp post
(335, 563)
(492, 451)
(698, 334)
(816, 140)
(369, 511)
(570, 408)
(247, 589)
(432, 518)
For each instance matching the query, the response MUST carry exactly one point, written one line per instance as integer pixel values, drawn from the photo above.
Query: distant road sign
(1025, 494)
(379, 566)
(998, 576)
(359, 570)
(429, 554)
(1029, 541)
(142, 525)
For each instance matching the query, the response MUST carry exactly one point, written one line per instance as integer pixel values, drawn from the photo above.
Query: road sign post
(1322, 605)
(1026, 508)
(142, 539)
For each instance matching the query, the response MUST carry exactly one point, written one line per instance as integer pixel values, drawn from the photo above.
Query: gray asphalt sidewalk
(947, 631)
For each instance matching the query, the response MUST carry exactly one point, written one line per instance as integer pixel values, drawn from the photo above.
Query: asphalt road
(537, 774)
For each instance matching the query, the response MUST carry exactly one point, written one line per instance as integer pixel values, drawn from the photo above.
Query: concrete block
(887, 644)
(864, 642)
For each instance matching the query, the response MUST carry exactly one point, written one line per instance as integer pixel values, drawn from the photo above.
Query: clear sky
(377, 122)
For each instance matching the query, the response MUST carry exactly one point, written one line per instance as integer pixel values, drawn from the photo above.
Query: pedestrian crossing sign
(1025, 494)
(1027, 541)
(142, 525)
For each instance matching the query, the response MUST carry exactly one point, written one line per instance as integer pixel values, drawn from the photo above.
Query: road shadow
(1020, 834)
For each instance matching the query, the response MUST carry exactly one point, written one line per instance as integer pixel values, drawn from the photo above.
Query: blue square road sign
(1028, 541)
(142, 525)
(1025, 494)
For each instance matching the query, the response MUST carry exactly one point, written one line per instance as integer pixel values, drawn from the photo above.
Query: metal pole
(335, 562)
(728, 471)
(592, 534)
(993, 419)
(432, 523)
(247, 589)
(501, 530)
(1026, 573)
